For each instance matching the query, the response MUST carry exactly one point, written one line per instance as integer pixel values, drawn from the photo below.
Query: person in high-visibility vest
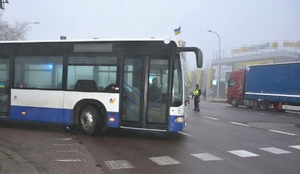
(196, 95)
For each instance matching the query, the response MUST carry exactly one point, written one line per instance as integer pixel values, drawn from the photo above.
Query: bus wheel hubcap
(87, 120)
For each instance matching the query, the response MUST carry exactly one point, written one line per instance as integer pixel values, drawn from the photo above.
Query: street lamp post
(26, 25)
(219, 59)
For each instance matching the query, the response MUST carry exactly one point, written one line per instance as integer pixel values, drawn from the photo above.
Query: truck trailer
(267, 86)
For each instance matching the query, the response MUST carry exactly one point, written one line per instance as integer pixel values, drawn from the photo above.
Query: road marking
(67, 160)
(212, 118)
(206, 157)
(286, 133)
(65, 144)
(119, 164)
(296, 147)
(67, 151)
(184, 133)
(241, 124)
(274, 150)
(243, 153)
(63, 139)
(164, 160)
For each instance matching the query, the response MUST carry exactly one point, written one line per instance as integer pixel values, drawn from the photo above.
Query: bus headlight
(179, 120)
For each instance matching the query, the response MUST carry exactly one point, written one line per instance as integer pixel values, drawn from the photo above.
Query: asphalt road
(218, 139)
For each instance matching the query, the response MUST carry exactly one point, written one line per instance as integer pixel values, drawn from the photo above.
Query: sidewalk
(11, 162)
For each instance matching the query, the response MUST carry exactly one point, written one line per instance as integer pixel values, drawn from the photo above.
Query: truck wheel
(234, 102)
(89, 120)
(263, 105)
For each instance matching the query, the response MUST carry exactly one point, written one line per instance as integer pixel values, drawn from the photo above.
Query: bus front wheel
(89, 120)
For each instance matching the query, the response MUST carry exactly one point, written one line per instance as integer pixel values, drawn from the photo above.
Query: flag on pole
(177, 31)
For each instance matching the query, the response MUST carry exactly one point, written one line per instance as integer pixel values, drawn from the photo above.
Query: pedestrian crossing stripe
(243, 153)
(164, 160)
(296, 147)
(118, 164)
(274, 150)
(206, 157)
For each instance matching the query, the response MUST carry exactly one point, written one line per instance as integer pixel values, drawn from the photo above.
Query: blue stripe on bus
(175, 127)
(50, 115)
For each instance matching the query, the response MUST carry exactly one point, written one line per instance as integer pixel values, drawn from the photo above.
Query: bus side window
(101, 88)
(110, 88)
(86, 85)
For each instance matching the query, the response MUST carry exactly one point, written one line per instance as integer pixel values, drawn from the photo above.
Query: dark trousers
(196, 102)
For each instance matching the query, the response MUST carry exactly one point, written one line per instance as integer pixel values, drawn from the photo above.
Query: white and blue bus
(96, 83)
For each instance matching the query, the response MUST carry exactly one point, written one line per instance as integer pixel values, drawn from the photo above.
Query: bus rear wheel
(89, 120)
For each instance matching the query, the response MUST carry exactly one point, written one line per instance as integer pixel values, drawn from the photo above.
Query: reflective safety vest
(196, 92)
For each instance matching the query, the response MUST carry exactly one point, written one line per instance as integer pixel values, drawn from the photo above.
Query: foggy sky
(238, 23)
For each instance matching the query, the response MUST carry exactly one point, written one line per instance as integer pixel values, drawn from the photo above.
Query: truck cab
(236, 88)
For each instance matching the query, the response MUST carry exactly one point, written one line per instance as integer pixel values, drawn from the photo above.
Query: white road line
(67, 151)
(63, 139)
(118, 164)
(206, 157)
(212, 118)
(296, 147)
(67, 160)
(241, 124)
(65, 144)
(274, 150)
(184, 133)
(243, 153)
(286, 133)
(164, 160)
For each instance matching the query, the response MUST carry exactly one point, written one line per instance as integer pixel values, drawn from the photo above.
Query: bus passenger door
(145, 89)
(158, 80)
(4, 87)
(132, 92)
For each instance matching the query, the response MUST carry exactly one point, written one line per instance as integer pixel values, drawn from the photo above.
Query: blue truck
(275, 86)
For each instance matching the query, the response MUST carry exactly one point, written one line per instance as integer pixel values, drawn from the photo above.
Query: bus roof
(166, 40)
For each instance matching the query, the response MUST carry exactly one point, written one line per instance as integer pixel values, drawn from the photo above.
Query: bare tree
(15, 32)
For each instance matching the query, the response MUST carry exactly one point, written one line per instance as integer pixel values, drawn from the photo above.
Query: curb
(12, 162)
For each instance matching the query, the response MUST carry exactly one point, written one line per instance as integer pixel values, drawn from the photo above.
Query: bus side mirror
(197, 51)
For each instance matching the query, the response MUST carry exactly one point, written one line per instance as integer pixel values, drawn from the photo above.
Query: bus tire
(234, 102)
(264, 105)
(89, 120)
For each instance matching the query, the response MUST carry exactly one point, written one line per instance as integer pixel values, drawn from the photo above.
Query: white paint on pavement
(212, 118)
(241, 124)
(164, 160)
(67, 160)
(67, 151)
(274, 150)
(286, 133)
(73, 144)
(63, 139)
(296, 147)
(183, 133)
(206, 157)
(119, 164)
(243, 153)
